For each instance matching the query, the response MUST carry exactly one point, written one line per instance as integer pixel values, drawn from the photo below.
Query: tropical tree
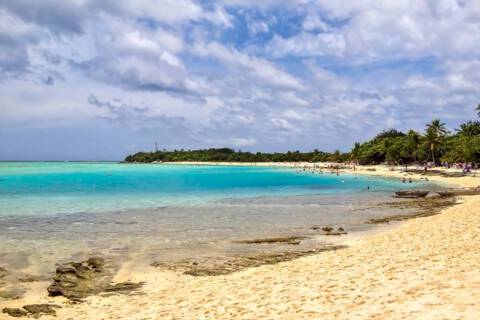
(478, 109)
(469, 129)
(434, 136)
(412, 144)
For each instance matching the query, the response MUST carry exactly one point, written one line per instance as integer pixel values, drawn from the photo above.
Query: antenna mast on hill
(156, 146)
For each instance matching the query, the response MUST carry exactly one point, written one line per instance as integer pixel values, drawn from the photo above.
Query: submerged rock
(424, 207)
(77, 280)
(412, 194)
(33, 310)
(288, 240)
(330, 231)
(209, 266)
(15, 312)
(37, 310)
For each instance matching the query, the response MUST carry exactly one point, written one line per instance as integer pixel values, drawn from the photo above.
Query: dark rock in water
(288, 240)
(37, 310)
(411, 193)
(34, 310)
(15, 312)
(330, 231)
(222, 266)
(424, 207)
(77, 280)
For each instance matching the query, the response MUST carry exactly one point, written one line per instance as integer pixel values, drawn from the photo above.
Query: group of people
(466, 167)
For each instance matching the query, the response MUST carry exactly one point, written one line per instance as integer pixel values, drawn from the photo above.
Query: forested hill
(436, 144)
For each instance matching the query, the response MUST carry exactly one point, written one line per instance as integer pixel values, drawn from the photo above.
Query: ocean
(46, 188)
(59, 211)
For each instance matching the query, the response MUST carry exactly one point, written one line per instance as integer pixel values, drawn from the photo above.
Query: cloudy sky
(99, 79)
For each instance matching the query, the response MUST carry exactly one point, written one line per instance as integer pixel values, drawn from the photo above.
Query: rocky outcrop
(209, 266)
(32, 310)
(412, 194)
(15, 312)
(287, 240)
(329, 230)
(77, 280)
(424, 207)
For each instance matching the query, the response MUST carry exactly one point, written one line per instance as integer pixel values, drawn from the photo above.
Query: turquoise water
(40, 188)
(144, 213)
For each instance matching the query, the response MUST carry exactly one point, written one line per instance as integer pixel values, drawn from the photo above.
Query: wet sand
(426, 268)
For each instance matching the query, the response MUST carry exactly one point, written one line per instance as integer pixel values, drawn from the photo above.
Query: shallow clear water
(51, 212)
(40, 188)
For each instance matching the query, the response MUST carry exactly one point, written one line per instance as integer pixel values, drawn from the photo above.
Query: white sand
(427, 268)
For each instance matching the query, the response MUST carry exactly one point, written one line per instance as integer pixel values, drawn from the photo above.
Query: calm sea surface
(45, 188)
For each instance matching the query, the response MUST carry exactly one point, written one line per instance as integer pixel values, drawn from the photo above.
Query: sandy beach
(425, 268)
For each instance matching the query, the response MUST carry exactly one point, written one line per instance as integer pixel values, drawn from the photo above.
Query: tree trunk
(433, 154)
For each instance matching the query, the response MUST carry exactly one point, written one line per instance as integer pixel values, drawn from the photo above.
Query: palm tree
(469, 129)
(434, 134)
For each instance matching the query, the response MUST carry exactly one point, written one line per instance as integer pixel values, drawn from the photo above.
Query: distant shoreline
(381, 170)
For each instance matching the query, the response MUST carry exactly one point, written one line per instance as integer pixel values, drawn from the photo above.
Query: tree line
(435, 144)
(230, 155)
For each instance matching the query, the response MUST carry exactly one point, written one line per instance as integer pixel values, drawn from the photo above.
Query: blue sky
(99, 79)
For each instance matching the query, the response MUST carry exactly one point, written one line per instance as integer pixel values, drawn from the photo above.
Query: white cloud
(259, 68)
(308, 44)
(313, 22)
(243, 142)
(210, 75)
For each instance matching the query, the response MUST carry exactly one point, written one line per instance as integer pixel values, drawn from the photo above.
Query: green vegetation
(436, 144)
(229, 155)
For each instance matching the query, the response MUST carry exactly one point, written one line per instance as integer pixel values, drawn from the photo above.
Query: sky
(101, 79)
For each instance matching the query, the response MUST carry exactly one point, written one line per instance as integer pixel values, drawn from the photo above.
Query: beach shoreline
(385, 171)
(420, 269)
